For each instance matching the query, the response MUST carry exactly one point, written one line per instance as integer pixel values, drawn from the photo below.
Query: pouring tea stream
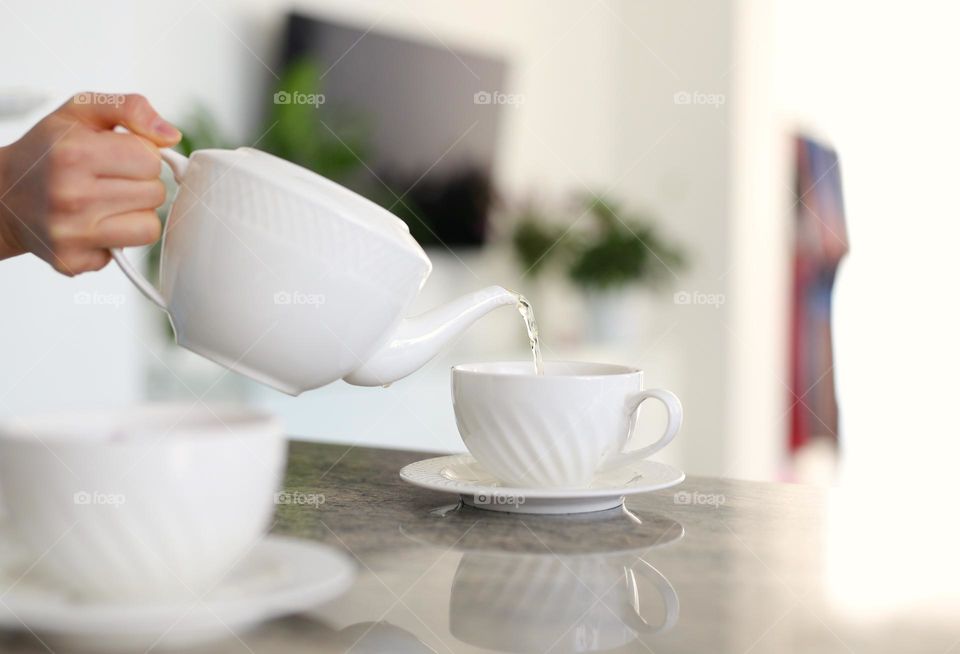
(250, 235)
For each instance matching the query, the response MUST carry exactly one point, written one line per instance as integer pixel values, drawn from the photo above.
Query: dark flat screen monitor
(427, 129)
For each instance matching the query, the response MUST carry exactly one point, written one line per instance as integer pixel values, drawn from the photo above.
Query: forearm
(8, 247)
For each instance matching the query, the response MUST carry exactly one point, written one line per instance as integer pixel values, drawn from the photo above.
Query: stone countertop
(710, 566)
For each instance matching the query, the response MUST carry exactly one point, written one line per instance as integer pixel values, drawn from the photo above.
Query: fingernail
(163, 128)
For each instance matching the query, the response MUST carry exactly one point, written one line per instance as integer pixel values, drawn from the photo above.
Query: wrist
(8, 246)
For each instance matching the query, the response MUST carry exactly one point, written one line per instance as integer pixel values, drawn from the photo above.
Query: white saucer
(462, 475)
(279, 576)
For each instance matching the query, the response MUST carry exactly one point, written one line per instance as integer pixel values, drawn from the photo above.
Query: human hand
(72, 187)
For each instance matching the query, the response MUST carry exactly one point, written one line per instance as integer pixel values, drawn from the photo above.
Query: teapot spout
(419, 338)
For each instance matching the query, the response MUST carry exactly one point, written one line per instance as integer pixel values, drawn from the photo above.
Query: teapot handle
(178, 165)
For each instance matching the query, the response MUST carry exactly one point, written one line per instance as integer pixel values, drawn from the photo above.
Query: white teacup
(154, 502)
(558, 429)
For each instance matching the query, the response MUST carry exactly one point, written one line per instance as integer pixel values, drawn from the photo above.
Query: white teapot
(293, 280)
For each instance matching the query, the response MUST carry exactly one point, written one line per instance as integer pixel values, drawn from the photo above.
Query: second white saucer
(279, 576)
(460, 474)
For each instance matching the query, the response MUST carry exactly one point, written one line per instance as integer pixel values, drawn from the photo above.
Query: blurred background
(752, 200)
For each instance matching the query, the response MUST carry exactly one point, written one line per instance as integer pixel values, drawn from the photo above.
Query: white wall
(56, 352)
(761, 223)
(890, 108)
(672, 159)
(598, 79)
(874, 84)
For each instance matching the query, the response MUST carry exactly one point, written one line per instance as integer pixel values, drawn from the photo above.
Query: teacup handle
(178, 165)
(674, 420)
(671, 603)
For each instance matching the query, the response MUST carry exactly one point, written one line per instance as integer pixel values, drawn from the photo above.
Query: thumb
(132, 111)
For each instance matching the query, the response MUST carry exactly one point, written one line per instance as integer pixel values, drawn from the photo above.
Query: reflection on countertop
(538, 583)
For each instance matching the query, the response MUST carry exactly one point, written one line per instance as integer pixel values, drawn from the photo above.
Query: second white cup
(149, 503)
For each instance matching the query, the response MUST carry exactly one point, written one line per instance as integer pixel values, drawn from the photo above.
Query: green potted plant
(606, 251)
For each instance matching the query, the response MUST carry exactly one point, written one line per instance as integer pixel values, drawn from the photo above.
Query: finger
(89, 260)
(132, 111)
(128, 229)
(124, 155)
(112, 195)
(79, 261)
